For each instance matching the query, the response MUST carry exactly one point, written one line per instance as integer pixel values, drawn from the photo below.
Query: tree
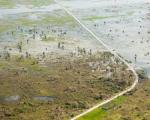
(20, 46)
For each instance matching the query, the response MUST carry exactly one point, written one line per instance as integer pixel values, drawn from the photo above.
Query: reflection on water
(16, 98)
(44, 98)
(9, 98)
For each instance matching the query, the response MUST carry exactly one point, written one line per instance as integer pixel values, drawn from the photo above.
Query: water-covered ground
(124, 25)
(70, 64)
(22, 23)
(121, 24)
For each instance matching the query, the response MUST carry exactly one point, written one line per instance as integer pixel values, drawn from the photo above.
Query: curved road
(115, 54)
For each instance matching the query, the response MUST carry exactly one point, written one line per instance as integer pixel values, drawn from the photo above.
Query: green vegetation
(132, 106)
(50, 39)
(4, 64)
(100, 17)
(59, 20)
(47, 19)
(119, 100)
(130, 13)
(36, 3)
(77, 88)
(28, 22)
(13, 3)
(106, 17)
(102, 112)
(8, 23)
(7, 3)
(95, 115)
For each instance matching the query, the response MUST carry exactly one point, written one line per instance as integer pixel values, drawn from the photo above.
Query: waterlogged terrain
(121, 24)
(52, 68)
(124, 26)
(30, 3)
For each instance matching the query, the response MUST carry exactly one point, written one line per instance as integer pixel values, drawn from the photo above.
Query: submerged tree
(135, 57)
(20, 46)
(7, 55)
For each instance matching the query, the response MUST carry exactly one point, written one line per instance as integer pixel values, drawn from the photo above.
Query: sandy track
(115, 54)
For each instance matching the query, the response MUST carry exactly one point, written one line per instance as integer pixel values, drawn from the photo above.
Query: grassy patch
(36, 3)
(94, 115)
(90, 18)
(100, 17)
(7, 3)
(6, 25)
(3, 64)
(100, 113)
(47, 19)
(9, 24)
(97, 17)
(30, 64)
(13, 3)
(130, 13)
(27, 22)
(49, 39)
(119, 100)
(59, 20)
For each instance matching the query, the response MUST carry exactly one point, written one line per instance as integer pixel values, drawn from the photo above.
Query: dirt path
(115, 54)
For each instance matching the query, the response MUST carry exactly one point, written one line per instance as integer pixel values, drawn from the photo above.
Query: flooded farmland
(122, 25)
(51, 67)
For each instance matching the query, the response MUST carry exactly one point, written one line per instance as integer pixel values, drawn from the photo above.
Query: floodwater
(9, 99)
(16, 98)
(24, 9)
(43, 98)
(126, 28)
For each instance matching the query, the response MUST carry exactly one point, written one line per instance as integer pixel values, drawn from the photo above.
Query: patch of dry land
(62, 88)
(51, 69)
(134, 105)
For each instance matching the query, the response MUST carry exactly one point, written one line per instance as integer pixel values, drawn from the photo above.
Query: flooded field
(122, 25)
(52, 68)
